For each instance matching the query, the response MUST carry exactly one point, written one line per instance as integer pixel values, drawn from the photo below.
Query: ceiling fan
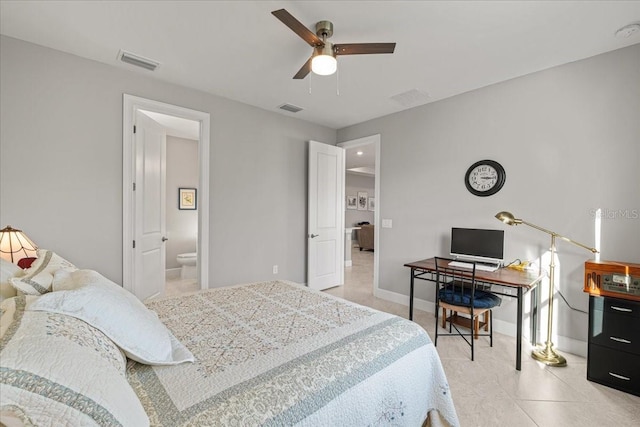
(323, 59)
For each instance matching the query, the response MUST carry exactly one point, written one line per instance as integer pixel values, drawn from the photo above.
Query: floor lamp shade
(546, 354)
(15, 245)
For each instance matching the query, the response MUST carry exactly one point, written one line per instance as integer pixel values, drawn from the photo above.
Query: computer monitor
(477, 244)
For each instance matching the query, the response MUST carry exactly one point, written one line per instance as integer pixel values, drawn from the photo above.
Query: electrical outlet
(275, 269)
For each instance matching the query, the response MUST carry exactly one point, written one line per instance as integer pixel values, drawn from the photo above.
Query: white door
(325, 223)
(150, 207)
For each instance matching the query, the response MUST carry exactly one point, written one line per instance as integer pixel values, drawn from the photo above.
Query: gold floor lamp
(547, 354)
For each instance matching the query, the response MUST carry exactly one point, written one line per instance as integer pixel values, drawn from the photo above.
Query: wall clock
(485, 178)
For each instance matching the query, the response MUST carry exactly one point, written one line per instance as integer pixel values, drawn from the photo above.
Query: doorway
(368, 166)
(135, 266)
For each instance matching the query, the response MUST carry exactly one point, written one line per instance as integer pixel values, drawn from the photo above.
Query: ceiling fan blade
(363, 48)
(306, 69)
(298, 27)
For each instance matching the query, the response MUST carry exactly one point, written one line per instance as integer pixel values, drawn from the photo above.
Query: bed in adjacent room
(271, 353)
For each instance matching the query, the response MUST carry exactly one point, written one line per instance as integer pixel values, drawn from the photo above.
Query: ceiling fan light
(324, 65)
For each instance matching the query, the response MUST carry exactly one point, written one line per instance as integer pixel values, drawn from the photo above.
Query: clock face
(485, 178)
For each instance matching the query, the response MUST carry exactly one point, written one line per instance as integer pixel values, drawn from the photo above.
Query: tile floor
(489, 391)
(179, 286)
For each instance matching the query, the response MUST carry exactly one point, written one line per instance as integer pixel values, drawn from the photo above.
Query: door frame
(372, 139)
(131, 104)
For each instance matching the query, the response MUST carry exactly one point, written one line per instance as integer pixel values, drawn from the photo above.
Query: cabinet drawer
(614, 368)
(617, 306)
(614, 330)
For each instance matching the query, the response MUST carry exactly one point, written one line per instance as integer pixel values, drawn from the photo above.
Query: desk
(521, 281)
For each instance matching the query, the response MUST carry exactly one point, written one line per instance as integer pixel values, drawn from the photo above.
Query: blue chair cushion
(481, 299)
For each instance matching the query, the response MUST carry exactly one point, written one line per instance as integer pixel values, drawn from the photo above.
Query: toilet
(188, 263)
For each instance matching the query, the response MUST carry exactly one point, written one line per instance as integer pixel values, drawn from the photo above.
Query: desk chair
(457, 292)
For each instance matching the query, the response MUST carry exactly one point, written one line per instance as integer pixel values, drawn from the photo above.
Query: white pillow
(59, 371)
(63, 280)
(8, 270)
(116, 312)
(38, 278)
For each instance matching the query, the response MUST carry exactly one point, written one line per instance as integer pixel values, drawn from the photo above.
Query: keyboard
(481, 267)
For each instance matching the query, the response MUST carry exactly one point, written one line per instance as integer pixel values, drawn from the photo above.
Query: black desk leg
(519, 332)
(411, 296)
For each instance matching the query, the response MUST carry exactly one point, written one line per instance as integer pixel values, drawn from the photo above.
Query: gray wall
(182, 172)
(353, 184)
(569, 139)
(61, 166)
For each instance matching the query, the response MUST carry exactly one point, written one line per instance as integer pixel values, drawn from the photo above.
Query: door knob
(164, 239)
(313, 235)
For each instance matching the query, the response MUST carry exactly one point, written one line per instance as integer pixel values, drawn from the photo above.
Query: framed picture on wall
(372, 203)
(187, 199)
(362, 200)
(352, 202)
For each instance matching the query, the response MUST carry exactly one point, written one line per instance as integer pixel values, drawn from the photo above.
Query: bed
(271, 353)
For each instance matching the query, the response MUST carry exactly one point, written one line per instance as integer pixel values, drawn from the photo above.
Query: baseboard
(348, 263)
(566, 344)
(562, 343)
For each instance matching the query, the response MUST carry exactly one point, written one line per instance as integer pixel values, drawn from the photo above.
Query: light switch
(387, 223)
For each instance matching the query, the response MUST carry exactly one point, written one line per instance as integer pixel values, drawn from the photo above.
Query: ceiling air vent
(290, 108)
(411, 98)
(137, 60)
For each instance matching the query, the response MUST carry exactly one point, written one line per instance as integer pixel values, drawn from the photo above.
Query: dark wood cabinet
(614, 343)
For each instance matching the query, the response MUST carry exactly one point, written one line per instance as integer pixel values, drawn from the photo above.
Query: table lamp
(15, 245)
(547, 354)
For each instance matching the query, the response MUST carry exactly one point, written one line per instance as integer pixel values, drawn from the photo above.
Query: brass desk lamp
(546, 355)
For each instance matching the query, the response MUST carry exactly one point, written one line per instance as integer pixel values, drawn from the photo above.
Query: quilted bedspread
(276, 353)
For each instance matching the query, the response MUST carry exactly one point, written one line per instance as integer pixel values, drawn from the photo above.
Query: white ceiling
(238, 50)
(363, 164)
(176, 126)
